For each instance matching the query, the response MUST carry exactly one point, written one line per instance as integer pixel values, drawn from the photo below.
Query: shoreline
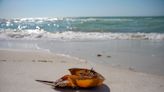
(19, 69)
(139, 55)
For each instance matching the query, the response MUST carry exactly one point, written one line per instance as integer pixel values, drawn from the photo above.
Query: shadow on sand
(103, 88)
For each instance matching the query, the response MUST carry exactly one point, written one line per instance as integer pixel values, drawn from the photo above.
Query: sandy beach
(20, 68)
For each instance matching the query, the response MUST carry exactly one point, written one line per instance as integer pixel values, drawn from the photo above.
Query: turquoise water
(88, 24)
(89, 28)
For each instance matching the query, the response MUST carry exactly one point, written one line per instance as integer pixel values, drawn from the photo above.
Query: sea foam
(70, 35)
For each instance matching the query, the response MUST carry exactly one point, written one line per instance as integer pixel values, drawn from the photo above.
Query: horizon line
(83, 16)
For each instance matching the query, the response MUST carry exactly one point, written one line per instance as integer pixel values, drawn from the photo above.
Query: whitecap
(8, 23)
(52, 19)
(48, 24)
(19, 27)
(37, 27)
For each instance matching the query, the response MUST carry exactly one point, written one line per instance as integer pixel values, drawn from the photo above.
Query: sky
(76, 8)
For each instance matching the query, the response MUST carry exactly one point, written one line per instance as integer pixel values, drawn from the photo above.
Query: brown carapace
(79, 78)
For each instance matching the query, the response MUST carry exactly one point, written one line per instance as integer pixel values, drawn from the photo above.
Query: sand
(19, 70)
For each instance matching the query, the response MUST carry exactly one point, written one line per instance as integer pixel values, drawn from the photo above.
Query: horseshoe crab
(79, 78)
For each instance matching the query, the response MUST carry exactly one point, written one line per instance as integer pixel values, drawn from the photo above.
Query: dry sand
(19, 70)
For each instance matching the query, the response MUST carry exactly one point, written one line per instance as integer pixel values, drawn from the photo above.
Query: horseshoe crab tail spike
(46, 82)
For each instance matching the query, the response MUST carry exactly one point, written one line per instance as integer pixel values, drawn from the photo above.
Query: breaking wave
(37, 34)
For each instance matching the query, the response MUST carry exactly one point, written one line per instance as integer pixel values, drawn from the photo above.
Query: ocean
(81, 28)
(134, 43)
